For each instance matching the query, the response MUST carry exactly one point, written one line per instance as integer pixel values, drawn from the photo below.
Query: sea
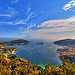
(38, 54)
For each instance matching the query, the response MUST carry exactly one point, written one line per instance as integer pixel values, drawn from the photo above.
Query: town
(66, 52)
(4, 51)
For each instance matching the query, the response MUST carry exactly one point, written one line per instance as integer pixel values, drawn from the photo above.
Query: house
(8, 60)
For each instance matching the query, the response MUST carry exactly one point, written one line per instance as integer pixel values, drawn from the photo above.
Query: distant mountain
(19, 41)
(65, 42)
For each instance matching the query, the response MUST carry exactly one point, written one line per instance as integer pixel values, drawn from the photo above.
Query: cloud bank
(51, 27)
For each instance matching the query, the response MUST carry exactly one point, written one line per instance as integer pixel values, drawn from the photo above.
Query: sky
(42, 19)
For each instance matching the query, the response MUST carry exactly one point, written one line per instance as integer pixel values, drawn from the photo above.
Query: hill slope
(19, 41)
(65, 42)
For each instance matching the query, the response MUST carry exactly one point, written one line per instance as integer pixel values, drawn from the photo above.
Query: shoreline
(20, 66)
(14, 53)
(36, 62)
(66, 53)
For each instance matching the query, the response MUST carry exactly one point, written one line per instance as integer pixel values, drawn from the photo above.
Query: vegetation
(66, 42)
(15, 42)
(17, 66)
(19, 41)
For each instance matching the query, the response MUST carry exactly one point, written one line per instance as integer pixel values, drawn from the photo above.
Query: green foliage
(19, 67)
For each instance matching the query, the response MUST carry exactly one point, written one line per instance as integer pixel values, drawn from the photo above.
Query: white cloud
(52, 30)
(1, 23)
(6, 15)
(34, 25)
(24, 21)
(30, 16)
(71, 4)
(21, 28)
(57, 26)
(28, 10)
(28, 28)
(12, 11)
(21, 21)
(58, 23)
(14, 23)
(14, 1)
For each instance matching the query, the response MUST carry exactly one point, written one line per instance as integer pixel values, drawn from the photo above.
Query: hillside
(19, 41)
(65, 42)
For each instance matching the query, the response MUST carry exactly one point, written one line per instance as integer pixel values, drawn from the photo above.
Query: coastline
(43, 63)
(17, 66)
(27, 52)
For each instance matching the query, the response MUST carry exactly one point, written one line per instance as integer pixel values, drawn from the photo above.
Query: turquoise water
(39, 54)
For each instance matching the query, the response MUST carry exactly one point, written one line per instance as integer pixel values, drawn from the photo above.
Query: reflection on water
(39, 54)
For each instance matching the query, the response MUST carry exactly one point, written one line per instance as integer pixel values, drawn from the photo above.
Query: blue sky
(37, 18)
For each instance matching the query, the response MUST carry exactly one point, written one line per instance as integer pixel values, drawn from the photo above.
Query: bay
(39, 54)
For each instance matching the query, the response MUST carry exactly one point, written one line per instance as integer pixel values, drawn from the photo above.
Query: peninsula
(66, 49)
(17, 42)
(66, 42)
(4, 51)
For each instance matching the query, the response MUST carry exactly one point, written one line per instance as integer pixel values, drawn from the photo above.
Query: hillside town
(4, 51)
(66, 52)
